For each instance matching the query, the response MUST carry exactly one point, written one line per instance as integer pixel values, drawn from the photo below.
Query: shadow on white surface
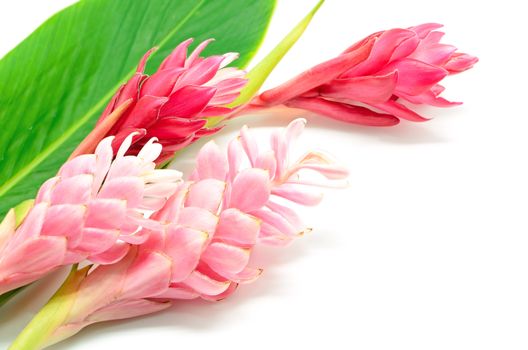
(200, 317)
(404, 133)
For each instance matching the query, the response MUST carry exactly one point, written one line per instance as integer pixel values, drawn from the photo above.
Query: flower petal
(65, 220)
(127, 309)
(206, 194)
(148, 276)
(400, 111)
(225, 259)
(200, 73)
(144, 113)
(344, 112)
(39, 254)
(73, 190)
(211, 162)
(237, 228)
(184, 246)
(112, 255)
(415, 77)
(188, 101)
(177, 58)
(298, 194)
(251, 189)
(127, 188)
(106, 213)
(366, 89)
(199, 219)
(161, 83)
(382, 51)
(204, 284)
(175, 127)
(97, 240)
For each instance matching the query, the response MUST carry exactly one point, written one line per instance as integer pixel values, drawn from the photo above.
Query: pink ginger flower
(174, 103)
(365, 83)
(247, 191)
(95, 208)
(212, 223)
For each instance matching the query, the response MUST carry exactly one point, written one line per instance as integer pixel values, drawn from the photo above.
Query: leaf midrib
(52, 147)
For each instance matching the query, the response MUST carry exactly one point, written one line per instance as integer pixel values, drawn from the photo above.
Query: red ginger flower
(173, 104)
(392, 65)
(212, 223)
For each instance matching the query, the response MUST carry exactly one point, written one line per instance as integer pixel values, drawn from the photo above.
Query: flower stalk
(38, 334)
(257, 76)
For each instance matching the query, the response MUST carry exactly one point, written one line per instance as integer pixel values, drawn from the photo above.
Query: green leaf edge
(26, 170)
(258, 75)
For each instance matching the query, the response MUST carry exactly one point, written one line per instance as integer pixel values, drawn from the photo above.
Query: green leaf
(54, 85)
(257, 76)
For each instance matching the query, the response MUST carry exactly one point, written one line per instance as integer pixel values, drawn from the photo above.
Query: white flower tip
(151, 151)
(300, 120)
(163, 175)
(105, 145)
(228, 58)
(126, 144)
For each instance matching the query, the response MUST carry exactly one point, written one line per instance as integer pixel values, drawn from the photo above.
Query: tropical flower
(365, 83)
(172, 104)
(94, 208)
(211, 225)
(247, 192)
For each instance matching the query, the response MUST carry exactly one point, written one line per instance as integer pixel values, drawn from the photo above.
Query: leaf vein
(52, 147)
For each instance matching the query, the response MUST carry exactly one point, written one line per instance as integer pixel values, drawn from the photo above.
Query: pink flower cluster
(365, 83)
(95, 208)
(233, 201)
(241, 192)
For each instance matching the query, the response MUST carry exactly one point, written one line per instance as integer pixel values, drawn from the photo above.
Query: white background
(427, 249)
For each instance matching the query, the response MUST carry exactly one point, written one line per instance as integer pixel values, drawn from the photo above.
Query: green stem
(258, 75)
(38, 332)
(262, 70)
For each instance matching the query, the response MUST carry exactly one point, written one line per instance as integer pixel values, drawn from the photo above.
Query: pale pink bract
(250, 191)
(93, 209)
(365, 83)
(233, 201)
